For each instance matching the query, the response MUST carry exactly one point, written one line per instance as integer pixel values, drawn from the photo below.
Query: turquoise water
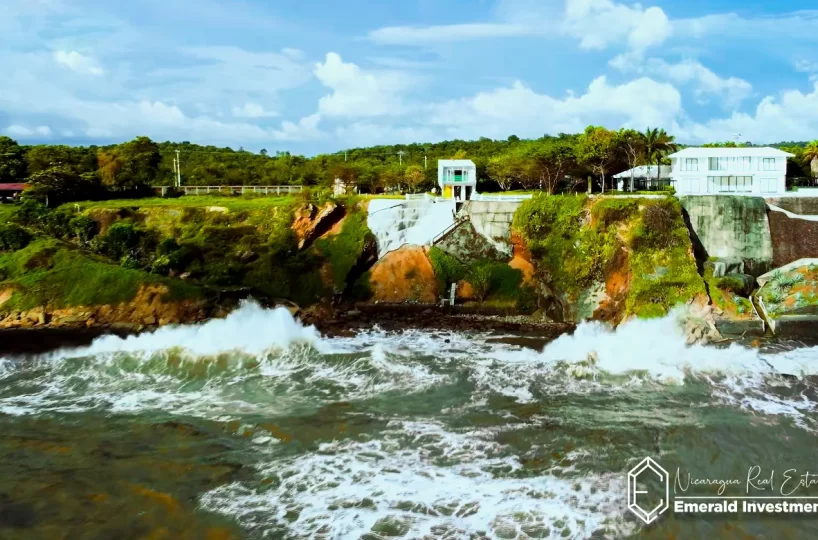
(255, 427)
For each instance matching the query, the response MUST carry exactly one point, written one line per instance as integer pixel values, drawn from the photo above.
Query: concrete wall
(732, 226)
(797, 205)
(418, 221)
(795, 236)
(493, 221)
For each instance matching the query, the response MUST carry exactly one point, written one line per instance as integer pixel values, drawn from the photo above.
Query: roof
(13, 187)
(750, 151)
(643, 171)
(455, 163)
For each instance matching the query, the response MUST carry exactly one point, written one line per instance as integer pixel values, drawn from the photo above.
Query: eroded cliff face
(150, 307)
(610, 258)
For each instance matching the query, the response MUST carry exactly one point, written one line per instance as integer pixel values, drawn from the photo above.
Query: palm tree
(810, 156)
(658, 144)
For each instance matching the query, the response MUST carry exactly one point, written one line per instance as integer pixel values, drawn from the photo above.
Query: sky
(318, 76)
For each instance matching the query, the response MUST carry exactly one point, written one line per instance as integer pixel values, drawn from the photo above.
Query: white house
(703, 171)
(644, 178)
(457, 178)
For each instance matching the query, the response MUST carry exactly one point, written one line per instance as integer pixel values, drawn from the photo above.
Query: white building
(703, 171)
(457, 178)
(644, 178)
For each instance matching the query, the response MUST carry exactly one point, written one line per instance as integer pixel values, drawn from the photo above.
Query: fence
(230, 190)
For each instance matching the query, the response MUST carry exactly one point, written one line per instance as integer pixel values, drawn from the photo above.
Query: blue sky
(318, 76)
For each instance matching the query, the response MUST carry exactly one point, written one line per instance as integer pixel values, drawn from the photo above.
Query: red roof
(13, 187)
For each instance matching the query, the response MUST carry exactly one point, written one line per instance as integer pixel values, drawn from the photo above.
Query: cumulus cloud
(361, 93)
(791, 115)
(706, 83)
(600, 23)
(519, 109)
(75, 61)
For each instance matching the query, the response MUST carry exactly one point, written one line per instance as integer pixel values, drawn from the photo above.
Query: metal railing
(501, 198)
(228, 190)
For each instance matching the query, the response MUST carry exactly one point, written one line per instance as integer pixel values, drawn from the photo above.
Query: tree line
(565, 162)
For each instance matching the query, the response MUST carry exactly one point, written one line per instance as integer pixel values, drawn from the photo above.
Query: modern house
(709, 171)
(457, 178)
(644, 178)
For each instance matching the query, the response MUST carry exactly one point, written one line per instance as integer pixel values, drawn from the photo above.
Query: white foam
(432, 482)
(250, 329)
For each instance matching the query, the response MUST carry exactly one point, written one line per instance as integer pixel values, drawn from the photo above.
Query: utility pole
(345, 156)
(425, 159)
(401, 153)
(178, 170)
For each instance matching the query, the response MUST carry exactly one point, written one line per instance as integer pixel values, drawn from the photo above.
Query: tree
(658, 144)
(263, 152)
(632, 145)
(59, 185)
(139, 163)
(109, 166)
(504, 169)
(548, 161)
(12, 164)
(414, 177)
(460, 154)
(596, 149)
(810, 155)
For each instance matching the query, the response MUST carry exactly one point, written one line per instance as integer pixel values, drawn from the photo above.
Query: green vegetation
(238, 203)
(581, 242)
(50, 272)
(792, 292)
(343, 250)
(13, 237)
(448, 269)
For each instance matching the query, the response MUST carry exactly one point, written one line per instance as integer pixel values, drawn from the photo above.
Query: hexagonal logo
(648, 490)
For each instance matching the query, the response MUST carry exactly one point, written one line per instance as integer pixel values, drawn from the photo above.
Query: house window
(768, 164)
(718, 164)
(745, 164)
(691, 164)
(731, 184)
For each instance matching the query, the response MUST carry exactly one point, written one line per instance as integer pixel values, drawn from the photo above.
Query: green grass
(237, 203)
(51, 273)
(7, 212)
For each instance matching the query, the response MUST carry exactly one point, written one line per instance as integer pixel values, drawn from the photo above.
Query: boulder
(404, 275)
(725, 265)
(310, 222)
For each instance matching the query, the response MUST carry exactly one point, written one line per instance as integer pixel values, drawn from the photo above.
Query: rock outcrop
(311, 223)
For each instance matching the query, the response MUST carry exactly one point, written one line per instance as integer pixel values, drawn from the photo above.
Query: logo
(648, 490)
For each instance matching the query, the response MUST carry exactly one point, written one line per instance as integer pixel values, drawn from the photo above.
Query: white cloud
(596, 23)
(733, 90)
(24, 132)
(792, 115)
(361, 93)
(78, 62)
(414, 35)
(807, 66)
(252, 110)
(520, 110)
(600, 23)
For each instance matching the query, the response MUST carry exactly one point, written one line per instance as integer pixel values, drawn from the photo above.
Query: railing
(459, 221)
(501, 198)
(206, 190)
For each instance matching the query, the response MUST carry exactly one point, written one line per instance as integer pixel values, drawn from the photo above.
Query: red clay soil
(404, 275)
(617, 285)
(521, 259)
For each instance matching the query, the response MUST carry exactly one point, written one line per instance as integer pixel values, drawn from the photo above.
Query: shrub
(57, 222)
(480, 279)
(13, 237)
(83, 227)
(609, 211)
(447, 268)
(121, 239)
(659, 228)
